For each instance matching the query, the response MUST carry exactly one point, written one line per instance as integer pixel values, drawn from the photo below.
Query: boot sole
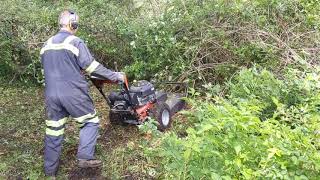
(89, 166)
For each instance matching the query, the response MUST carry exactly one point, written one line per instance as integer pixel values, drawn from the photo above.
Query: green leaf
(237, 148)
(187, 154)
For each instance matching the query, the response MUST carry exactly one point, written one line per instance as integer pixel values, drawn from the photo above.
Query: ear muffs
(73, 20)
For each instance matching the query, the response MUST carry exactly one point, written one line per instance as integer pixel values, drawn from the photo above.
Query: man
(64, 58)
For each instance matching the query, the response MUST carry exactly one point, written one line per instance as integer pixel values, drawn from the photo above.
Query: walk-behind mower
(139, 102)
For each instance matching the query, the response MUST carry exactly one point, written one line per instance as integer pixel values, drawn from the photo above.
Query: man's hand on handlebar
(121, 77)
(99, 81)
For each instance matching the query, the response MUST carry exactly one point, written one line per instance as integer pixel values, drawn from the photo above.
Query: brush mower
(141, 101)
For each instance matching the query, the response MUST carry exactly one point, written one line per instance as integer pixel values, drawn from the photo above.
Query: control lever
(98, 83)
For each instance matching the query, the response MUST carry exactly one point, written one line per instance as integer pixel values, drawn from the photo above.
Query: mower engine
(142, 93)
(135, 104)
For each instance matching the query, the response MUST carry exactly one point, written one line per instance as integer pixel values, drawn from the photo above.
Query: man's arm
(93, 67)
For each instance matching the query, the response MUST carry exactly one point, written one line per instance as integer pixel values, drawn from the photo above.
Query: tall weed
(229, 140)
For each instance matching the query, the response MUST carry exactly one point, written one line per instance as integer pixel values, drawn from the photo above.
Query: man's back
(60, 59)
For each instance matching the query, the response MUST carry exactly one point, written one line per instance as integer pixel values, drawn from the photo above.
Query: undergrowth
(184, 40)
(265, 127)
(263, 123)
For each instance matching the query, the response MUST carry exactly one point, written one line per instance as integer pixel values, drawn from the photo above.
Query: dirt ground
(22, 129)
(21, 143)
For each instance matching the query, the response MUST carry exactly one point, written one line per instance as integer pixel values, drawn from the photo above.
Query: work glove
(121, 77)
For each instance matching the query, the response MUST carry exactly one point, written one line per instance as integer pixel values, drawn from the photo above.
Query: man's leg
(85, 114)
(52, 153)
(88, 141)
(53, 138)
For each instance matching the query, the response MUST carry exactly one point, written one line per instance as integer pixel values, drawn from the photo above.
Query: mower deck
(175, 102)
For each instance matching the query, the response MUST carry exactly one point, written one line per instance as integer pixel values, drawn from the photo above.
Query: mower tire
(161, 112)
(115, 118)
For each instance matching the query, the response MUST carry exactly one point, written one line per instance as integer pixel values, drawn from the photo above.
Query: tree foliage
(196, 41)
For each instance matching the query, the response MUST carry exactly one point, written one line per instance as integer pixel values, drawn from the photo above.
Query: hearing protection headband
(73, 20)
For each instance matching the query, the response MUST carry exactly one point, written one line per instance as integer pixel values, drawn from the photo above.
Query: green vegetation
(252, 67)
(22, 128)
(197, 41)
(230, 140)
(22, 132)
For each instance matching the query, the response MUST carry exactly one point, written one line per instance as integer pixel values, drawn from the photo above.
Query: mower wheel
(115, 118)
(161, 112)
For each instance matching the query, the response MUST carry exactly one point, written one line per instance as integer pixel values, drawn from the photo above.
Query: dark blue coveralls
(64, 57)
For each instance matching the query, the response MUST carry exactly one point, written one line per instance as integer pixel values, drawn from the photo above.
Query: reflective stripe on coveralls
(65, 45)
(55, 128)
(58, 123)
(54, 132)
(92, 67)
(88, 118)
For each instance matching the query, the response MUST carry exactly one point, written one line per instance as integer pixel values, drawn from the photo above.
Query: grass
(22, 131)
(22, 127)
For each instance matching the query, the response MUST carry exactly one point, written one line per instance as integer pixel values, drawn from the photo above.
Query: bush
(26, 25)
(229, 140)
(197, 41)
(257, 87)
(207, 41)
(263, 88)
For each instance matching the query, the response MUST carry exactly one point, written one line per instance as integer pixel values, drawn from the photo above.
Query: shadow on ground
(86, 173)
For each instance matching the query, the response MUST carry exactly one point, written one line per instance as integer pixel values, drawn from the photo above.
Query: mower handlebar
(98, 82)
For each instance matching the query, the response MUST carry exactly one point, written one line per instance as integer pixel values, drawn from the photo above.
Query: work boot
(89, 163)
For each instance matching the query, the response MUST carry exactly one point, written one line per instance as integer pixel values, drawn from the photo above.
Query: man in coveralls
(64, 58)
